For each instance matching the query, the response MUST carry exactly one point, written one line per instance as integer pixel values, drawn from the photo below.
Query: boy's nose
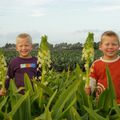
(23, 47)
(110, 46)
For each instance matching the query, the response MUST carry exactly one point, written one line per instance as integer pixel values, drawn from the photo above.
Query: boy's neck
(25, 57)
(109, 60)
(110, 57)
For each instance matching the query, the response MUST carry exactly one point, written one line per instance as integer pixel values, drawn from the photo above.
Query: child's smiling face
(109, 47)
(24, 47)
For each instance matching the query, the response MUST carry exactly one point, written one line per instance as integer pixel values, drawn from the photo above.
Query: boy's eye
(23, 45)
(26, 45)
(107, 44)
(112, 44)
(20, 45)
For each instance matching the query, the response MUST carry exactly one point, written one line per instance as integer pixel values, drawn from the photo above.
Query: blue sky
(62, 20)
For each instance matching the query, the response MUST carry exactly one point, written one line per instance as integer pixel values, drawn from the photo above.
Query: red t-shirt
(98, 72)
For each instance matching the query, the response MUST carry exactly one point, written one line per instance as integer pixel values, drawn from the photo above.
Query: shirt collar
(110, 61)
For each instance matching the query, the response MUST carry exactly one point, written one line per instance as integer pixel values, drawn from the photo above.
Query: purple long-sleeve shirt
(17, 67)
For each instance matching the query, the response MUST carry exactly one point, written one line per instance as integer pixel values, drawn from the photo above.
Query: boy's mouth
(110, 51)
(24, 52)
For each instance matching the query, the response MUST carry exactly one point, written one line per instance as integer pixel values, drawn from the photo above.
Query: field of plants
(58, 95)
(61, 58)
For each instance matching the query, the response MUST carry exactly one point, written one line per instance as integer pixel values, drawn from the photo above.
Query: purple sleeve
(10, 75)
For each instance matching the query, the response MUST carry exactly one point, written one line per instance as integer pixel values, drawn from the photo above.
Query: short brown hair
(24, 35)
(110, 34)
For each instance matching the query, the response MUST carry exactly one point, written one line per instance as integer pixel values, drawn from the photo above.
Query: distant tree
(96, 45)
(50, 46)
(77, 46)
(9, 46)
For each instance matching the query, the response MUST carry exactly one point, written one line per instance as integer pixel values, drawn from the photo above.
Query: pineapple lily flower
(88, 55)
(44, 61)
(44, 57)
(3, 69)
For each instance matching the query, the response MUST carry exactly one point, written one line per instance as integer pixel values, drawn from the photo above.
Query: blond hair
(110, 34)
(24, 35)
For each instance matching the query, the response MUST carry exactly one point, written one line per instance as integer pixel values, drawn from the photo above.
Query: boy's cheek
(17, 49)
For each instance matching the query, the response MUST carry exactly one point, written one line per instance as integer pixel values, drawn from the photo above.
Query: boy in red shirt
(109, 45)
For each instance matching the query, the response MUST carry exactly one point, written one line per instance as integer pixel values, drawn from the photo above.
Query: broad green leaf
(47, 112)
(1, 115)
(12, 87)
(94, 114)
(74, 114)
(102, 99)
(48, 90)
(63, 98)
(52, 97)
(64, 112)
(3, 102)
(18, 104)
(28, 85)
(116, 107)
(110, 84)
(108, 101)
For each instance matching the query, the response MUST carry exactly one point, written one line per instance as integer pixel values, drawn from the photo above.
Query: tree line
(60, 46)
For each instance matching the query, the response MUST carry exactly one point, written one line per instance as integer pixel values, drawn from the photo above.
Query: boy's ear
(16, 48)
(100, 46)
(32, 46)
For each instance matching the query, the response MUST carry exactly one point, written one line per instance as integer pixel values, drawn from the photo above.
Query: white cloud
(33, 2)
(34, 8)
(87, 31)
(106, 8)
(37, 13)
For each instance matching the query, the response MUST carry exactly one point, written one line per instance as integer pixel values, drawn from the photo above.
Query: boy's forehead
(22, 40)
(110, 39)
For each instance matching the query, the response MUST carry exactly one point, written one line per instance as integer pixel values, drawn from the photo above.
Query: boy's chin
(111, 56)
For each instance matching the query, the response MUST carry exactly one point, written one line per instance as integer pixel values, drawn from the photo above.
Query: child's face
(24, 47)
(109, 47)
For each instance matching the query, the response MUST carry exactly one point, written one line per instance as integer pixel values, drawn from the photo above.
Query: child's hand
(98, 92)
(2, 92)
(88, 90)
